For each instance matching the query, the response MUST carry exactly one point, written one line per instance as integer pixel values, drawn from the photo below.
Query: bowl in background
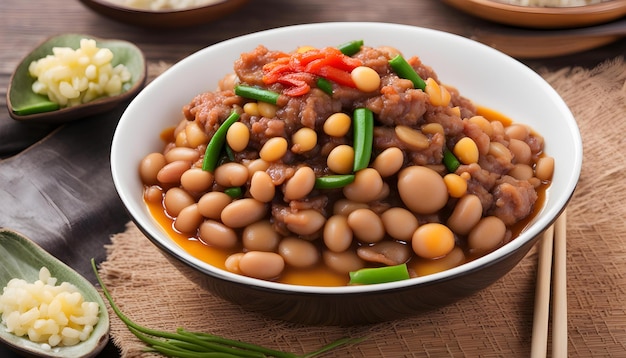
(166, 18)
(479, 72)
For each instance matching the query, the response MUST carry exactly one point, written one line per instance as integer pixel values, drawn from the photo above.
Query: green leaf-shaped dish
(22, 258)
(26, 105)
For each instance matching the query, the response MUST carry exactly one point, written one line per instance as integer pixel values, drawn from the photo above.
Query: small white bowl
(165, 19)
(481, 73)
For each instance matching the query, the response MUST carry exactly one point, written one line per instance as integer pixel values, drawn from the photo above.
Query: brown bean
(487, 234)
(466, 214)
(521, 172)
(341, 159)
(182, 153)
(238, 136)
(366, 225)
(228, 82)
(366, 186)
(384, 193)
(483, 123)
(232, 262)
(337, 234)
(260, 236)
(432, 240)
(305, 222)
(345, 206)
(243, 212)
(544, 169)
(214, 233)
(521, 151)
(260, 264)
(337, 124)
(196, 180)
(257, 165)
(499, 150)
(195, 135)
(389, 161)
(297, 252)
(517, 131)
(300, 184)
(399, 223)
(262, 187)
(153, 194)
(386, 252)
(413, 138)
(343, 262)
(175, 200)
(212, 203)
(150, 166)
(422, 189)
(171, 172)
(188, 219)
(304, 140)
(231, 174)
(273, 149)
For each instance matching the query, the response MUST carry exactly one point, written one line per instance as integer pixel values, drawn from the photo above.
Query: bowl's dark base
(352, 309)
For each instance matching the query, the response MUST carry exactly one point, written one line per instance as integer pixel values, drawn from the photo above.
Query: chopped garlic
(46, 313)
(71, 77)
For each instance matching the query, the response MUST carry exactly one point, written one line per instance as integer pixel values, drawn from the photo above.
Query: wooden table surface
(24, 24)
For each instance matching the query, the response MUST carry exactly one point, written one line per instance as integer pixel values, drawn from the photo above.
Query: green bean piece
(406, 71)
(368, 276)
(351, 47)
(214, 148)
(333, 181)
(188, 344)
(40, 107)
(325, 85)
(363, 130)
(450, 161)
(229, 153)
(259, 94)
(234, 192)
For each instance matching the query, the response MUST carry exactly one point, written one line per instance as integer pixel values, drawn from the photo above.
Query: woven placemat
(496, 322)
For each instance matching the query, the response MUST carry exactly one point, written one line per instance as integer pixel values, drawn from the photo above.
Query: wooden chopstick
(551, 261)
(542, 296)
(559, 314)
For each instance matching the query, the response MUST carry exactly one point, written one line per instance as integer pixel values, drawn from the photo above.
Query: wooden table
(99, 214)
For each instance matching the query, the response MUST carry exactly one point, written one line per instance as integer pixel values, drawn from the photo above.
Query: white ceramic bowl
(165, 19)
(481, 73)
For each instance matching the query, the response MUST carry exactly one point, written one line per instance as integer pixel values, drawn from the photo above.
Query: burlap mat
(496, 322)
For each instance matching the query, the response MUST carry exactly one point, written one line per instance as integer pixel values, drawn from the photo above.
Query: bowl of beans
(346, 173)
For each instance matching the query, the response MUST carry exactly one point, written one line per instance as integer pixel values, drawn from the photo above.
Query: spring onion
(183, 343)
(351, 47)
(363, 129)
(256, 93)
(38, 107)
(450, 161)
(214, 148)
(406, 71)
(325, 85)
(333, 181)
(368, 276)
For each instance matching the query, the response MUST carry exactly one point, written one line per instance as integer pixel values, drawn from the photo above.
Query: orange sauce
(318, 275)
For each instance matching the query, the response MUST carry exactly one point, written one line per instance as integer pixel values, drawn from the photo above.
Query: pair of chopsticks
(551, 274)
